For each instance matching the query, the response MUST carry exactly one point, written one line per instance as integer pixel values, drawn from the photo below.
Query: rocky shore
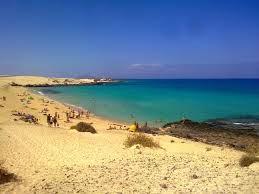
(63, 84)
(215, 133)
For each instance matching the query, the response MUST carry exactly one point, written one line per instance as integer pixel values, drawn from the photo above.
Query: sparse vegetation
(6, 176)
(30, 98)
(247, 160)
(252, 149)
(141, 139)
(84, 127)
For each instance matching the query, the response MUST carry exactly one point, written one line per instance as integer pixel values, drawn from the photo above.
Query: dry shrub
(252, 149)
(247, 160)
(84, 127)
(141, 139)
(6, 176)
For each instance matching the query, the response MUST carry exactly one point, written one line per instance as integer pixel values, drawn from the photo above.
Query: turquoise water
(161, 101)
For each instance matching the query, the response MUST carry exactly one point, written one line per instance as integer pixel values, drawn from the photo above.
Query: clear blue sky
(130, 38)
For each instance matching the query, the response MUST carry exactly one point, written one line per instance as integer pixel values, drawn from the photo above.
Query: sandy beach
(60, 160)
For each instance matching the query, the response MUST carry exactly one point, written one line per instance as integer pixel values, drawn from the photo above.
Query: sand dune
(60, 160)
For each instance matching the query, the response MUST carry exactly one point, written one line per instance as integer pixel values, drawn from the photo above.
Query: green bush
(247, 160)
(141, 139)
(84, 127)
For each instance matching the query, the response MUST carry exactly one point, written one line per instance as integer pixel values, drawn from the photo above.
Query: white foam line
(41, 93)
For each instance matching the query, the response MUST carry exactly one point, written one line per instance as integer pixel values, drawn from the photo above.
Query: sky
(130, 38)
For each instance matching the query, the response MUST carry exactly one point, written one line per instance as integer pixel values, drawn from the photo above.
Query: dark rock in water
(50, 91)
(215, 133)
(243, 124)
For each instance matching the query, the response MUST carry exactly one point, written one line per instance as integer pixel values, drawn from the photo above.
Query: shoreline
(76, 107)
(24, 81)
(227, 122)
(238, 122)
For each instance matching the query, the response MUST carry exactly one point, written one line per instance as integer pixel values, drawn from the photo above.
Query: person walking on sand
(48, 119)
(55, 121)
(51, 121)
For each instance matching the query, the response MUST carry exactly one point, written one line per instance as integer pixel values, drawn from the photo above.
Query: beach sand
(61, 160)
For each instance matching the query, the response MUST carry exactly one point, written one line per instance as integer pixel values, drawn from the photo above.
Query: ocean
(160, 101)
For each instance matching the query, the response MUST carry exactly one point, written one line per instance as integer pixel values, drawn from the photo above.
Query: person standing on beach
(67, 115)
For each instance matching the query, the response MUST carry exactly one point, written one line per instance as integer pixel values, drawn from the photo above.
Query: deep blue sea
(161, 101)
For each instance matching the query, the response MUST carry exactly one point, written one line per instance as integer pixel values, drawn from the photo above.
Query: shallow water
(161, 101)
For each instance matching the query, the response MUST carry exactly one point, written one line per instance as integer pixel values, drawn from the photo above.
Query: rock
(164, 186)
(150, 130)
(194, 176)
(217, 133)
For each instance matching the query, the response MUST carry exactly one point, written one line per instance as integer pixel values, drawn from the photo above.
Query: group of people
(25, 117)
(53, 120)
(72, 114)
